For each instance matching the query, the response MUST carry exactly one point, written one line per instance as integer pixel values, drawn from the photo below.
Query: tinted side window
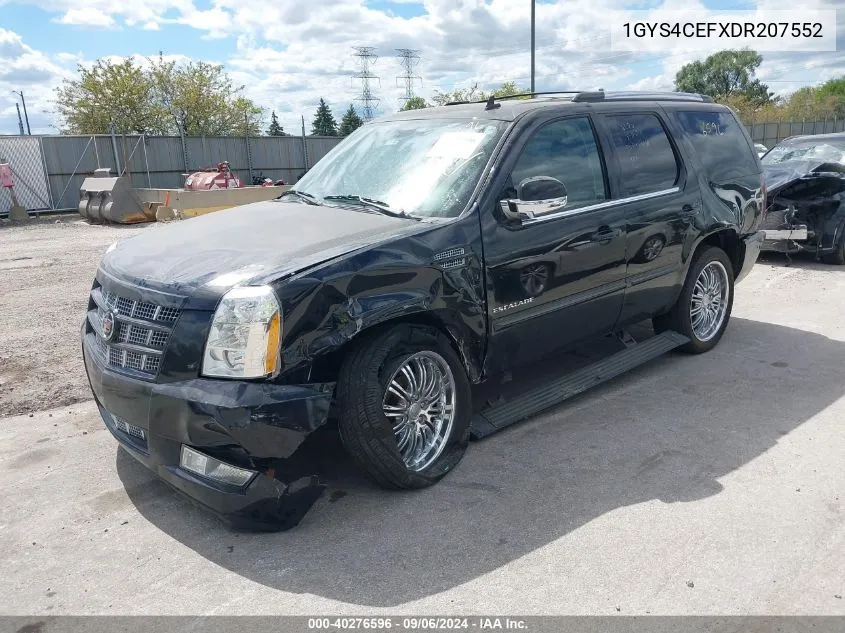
(646, 159)
(565, 150)
(719, 143)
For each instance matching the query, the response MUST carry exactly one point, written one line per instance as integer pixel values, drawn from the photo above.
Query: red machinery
(211, 179)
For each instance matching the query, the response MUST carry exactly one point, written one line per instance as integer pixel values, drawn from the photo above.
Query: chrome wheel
(420, 404)
(534, 279)
(709, 302)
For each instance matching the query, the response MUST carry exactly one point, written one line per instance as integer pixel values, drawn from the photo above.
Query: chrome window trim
(601, 205)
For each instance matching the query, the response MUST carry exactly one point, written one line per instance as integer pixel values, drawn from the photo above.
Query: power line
(366, 58)
(410, 58)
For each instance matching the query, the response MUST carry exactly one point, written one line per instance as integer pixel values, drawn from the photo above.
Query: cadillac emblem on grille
(109, 326)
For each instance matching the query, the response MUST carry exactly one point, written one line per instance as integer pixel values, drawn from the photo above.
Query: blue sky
(288, 54)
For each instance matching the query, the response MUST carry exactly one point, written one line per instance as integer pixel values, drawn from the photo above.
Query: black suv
(427, 252)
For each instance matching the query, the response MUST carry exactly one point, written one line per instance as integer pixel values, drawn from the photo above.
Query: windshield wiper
(305, 197)
(378, 205)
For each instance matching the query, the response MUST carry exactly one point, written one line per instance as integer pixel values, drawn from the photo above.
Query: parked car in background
(805, 182)
(428, 251)
(760, 149)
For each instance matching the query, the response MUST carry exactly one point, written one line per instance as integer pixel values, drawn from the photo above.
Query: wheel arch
(726, 239)
(326, 366)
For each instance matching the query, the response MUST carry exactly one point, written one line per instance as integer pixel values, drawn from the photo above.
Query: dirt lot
(46, 270)
(693, 485)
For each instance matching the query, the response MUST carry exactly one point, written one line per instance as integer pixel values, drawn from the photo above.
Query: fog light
(207, 466)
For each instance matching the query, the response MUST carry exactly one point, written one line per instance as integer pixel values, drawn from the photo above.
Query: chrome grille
(142, 331)
(139, 335)
(158, 340)
(139, 310)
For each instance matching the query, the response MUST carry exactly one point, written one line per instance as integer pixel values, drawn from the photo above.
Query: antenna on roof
(491, 103)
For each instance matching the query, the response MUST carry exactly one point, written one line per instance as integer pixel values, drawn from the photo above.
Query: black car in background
(427, 252)
(805, 183)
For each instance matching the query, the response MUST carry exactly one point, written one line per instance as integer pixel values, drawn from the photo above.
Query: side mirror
(536, 196)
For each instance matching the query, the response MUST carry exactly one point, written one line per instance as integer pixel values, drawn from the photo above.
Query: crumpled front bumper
(251, 425)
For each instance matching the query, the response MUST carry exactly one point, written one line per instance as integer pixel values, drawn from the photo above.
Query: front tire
(405, 406)
(703, 308)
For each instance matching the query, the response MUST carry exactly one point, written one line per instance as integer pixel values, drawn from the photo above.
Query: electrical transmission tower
(409, 59)
(369, 102)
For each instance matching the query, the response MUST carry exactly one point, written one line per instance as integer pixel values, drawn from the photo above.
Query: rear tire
(411, 373)
(703, 308)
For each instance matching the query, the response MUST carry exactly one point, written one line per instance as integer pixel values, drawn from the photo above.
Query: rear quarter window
(720, 144)
(647, 162)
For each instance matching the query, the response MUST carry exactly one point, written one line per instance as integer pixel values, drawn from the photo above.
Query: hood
(780, 175)
(205, 256)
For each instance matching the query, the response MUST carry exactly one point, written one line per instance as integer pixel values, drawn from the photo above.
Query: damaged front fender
(417, 280)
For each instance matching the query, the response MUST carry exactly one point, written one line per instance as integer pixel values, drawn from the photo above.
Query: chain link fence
(24, 154)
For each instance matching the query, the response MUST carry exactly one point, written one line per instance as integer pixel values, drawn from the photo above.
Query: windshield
(828, 151)
(420, 167)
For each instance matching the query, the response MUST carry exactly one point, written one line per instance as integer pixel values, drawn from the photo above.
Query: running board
(499, 416)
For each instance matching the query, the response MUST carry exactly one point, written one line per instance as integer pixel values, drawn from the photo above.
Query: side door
(659, 202)
(559, 276)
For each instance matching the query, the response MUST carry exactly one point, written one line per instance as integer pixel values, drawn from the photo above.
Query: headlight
(245, 335)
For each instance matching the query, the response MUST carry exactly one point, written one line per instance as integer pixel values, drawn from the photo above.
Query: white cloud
(24, 69)
(11, 45)
(289, 54)
(87, 16)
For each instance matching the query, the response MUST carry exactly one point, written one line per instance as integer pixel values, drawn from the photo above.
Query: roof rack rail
(633, 95)
(521, 95)
(597, 95)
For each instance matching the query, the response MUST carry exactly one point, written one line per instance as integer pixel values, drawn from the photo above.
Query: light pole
(533, 2)
(25, 115)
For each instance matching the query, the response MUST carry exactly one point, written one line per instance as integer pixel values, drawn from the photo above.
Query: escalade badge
(508, 306)
(108, 326)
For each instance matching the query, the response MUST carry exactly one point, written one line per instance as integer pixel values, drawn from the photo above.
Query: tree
(350, 122)
(247, 118)
(462, 94)
(159, 98)
(107, 92)
(507, 89)
(275, 128)
(415, 103)
(725, 74)
(202, 101)
(829, 98)
(324, 123)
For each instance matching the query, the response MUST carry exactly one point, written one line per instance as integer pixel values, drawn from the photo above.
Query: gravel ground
(46, 270)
